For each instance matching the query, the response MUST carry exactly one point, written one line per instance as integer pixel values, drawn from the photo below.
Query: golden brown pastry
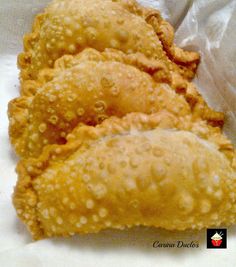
(156, 68)
(88, 90)
(138, 170)
(84, 170)
(92, 86)
(67, 27)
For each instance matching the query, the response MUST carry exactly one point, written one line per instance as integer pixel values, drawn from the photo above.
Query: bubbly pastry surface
(126, 172)
(67, 27)
(110, 131)
(90, 87)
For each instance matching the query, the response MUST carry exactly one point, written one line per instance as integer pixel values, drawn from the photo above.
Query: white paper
(206, 26)
(210, 27)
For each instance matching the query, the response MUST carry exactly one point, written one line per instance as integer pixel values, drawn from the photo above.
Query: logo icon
(216, 238)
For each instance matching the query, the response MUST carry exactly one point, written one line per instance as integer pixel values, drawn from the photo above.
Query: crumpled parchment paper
(206, 26)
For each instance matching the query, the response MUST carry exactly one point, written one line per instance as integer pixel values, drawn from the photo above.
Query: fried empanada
(86, 90)
(67, 27)
(156, 68)
(138, 170)
(92, 86)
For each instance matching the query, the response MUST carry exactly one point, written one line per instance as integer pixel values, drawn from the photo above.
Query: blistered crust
(88, 88)
(160, 177)
(167, 168)
(67, 27)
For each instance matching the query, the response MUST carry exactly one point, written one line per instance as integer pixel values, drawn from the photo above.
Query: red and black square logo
(217, 238)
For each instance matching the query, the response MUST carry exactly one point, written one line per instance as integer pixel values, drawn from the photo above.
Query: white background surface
(207, 26)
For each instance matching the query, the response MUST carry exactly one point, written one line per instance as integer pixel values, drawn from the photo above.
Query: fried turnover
(167, 173)
(84, 170)
(90, 87)
(67, 27)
